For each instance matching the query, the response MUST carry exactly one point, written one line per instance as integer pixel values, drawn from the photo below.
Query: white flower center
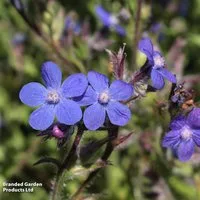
(113, 20)
(53, 97)
(159, 61)
(186, 133)
(104, 97)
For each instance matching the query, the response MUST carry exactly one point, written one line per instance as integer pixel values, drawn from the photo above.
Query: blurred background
(75, 34)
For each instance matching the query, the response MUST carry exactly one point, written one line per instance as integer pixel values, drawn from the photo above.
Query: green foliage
(140, 170)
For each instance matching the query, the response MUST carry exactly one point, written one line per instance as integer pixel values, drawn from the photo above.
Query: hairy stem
(136, 33)
(112, 134)
(72, 156)
(67, 164)
(57, 186)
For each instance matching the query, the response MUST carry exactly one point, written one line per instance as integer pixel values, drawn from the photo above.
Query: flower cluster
(59, 104)
(63, 101)
(185, 129)
(184, 135)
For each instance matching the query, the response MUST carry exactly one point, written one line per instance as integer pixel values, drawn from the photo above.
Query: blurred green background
(140, 169)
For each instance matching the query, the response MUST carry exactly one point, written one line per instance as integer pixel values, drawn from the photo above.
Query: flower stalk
(67, 164)
(112, 134)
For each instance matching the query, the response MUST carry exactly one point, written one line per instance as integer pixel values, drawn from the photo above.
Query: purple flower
(109, 20)
(157, 63)
(71, 25)
(55, 99)
(184, 135)
(60, 132)
(104, 99)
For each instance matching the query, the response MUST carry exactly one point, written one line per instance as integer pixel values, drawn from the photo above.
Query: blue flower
(157, 63)
(184, 135)
(72, 25)
(105, 100)
(109, 20)
(55, 99)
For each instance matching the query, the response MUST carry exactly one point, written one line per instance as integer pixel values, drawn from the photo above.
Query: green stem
(58, 186)
(72, 156)
(67, 164)
(112, 134)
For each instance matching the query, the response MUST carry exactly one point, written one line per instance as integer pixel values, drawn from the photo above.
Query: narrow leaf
(47, 160)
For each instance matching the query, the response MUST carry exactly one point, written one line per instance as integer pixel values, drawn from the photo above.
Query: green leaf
(48, 160)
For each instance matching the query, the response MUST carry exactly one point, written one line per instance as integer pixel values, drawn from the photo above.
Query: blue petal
(118, 113)
(120, 91)
(75, 85)
(120, 30)
(145, 46)
(33, 94)
(178, 122)
(185, 150)
(98, 81)
(88, 98)
(103, 15)
(42, 118)
(193, 118)
(68, 112)
(94, 116)
(51, 75)
(171, 139)
(157, 79)
(196, 137)
(167, 74)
